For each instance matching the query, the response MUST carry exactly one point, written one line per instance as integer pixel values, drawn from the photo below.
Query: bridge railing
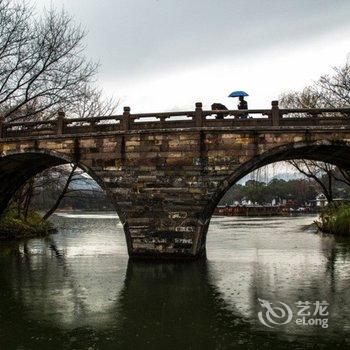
(252, 118)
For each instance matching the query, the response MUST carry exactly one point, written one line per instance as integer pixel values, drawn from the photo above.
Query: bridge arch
(17, 167)
(333, 152)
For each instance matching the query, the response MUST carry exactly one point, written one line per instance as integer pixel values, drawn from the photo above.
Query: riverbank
(261, 210)
(14, 227)
(335, 220)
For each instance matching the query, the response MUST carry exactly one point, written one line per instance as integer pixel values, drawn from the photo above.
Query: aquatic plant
(335, 219)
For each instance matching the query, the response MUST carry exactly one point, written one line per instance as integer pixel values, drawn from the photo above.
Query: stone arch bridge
(166, 172)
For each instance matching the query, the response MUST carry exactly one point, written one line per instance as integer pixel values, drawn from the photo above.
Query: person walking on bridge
(242, 102)
(219, 106)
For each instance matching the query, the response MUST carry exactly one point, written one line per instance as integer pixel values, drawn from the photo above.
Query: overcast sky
(159, 55)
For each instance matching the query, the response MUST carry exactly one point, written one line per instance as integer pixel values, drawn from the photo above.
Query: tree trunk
(28, 198)
(327, 190)
(62, 194)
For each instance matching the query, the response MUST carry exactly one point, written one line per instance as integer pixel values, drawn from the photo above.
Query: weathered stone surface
(165, 185)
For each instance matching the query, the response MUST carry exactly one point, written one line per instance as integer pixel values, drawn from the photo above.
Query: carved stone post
(275, 113)
(125, 125)
(198, 117)
(60, 122)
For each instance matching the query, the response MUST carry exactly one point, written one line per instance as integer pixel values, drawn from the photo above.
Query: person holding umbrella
(243, 104)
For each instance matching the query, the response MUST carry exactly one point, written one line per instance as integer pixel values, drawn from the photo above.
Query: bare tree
(51, 187)
(22, 199)
(309, 97)
(331, 90)
(43, 68)
(70, 178)
(320, 172)
(91, 104)
(335, 88)
(42, 61)
(342, 175)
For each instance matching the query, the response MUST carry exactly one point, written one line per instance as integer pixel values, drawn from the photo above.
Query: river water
(77, 290)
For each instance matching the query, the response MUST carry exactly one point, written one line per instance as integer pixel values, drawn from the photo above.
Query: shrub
(335, 220)
(14, 226)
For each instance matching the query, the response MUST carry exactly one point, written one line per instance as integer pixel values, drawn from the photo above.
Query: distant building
(321, 200)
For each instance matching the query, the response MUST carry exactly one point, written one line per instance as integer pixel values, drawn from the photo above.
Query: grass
(14, 226)
(335, 220)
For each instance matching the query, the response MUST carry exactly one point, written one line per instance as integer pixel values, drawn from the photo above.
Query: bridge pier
(163, 215)
(168, 234)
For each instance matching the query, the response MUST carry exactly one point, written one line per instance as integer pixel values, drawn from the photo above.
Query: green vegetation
(335, 220)
(301, 190)
(13, 225)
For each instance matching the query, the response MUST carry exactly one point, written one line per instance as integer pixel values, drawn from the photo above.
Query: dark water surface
(77, 289)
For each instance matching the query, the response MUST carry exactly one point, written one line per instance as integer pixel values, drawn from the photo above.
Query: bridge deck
(273, 118)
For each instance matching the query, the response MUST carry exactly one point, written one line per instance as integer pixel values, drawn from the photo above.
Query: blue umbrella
(237, 94)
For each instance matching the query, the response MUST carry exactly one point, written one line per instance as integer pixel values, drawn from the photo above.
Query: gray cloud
(135, 37)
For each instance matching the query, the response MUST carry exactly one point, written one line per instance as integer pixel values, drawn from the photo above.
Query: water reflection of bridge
(252, 210)
(49, 296)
